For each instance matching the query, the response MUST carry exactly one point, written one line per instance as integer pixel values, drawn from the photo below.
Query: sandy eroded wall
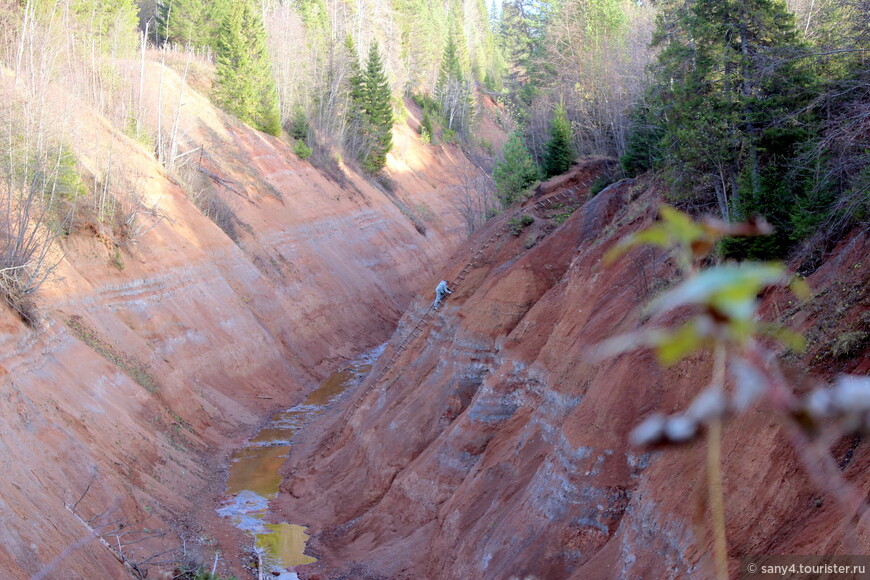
(495, 448)
(155, 354)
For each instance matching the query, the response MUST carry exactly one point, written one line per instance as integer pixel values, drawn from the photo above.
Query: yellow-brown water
(286, 542)
(254, 477)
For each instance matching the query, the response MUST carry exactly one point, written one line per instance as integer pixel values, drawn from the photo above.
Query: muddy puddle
(254, 478)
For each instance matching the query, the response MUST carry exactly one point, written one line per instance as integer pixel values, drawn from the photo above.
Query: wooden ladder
(417, 330)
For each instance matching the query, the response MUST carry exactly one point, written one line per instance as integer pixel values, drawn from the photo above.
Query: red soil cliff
(494, 448)
(147, 371)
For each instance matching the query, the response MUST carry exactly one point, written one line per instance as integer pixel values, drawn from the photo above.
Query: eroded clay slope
(155, 354)
(494, 448)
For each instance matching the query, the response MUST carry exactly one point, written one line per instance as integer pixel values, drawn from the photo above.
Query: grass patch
(130, 365)
(517, 224)
(199, 573)
(117, 261)
(531, 242)
(562, 217)
(849, 344)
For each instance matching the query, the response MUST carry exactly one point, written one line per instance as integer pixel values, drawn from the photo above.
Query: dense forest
(742, 108)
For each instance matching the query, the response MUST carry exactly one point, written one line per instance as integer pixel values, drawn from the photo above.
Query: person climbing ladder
(441, 290)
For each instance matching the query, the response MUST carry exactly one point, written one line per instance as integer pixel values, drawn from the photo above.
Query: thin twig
(714, 474)
(75, 505)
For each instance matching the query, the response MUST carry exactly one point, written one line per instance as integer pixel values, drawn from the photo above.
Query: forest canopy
(758, 107)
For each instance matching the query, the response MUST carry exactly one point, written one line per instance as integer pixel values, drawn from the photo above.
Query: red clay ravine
(496, 448)
(254, 477)
(228, 331)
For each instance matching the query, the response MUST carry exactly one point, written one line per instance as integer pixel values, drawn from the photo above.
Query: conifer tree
(379, 104)
(191, 22)
(357, 80)
(516, 171)
(104, 19)
(453, 91)
(721, 107)
(560, 149)
(356, 138)
(523, 39)
(371, 114)
(245, 86)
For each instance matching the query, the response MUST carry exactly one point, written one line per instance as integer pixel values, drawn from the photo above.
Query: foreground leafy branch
(723, 301)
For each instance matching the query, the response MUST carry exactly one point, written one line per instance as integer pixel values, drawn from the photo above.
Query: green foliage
(724, 298)
(112, 22)
(600, 184)
(530, 242)
(810, 210)
(302, 150)
(515, 172)
(722, 126)
(431, 116)
(191, 22)
(424, 30)
(722, 307)
(117, 260)
(379, 111)
(371, 102)
(67, 182)
(493, 82)
(687, 239)
(562, 217)
(451, 66)
(244, 75)
(41, 186)
(427, 126)
(314, 14)
(453, 90)
(136, 131)
(728, 294)
(516, 224)
(298, 125)
(603, 17)
(560, 149)
(523, 40)
(400, 111)
(104, 26)
(643, 149)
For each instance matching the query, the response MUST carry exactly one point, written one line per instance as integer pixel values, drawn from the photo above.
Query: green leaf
(674, 346)
(729, 289)
(786, 337)
(679, 226)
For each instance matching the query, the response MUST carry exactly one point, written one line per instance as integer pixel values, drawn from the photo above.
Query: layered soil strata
(496, 448)
(157, 354)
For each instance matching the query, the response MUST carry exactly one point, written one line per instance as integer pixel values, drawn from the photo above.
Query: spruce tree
(515, 172)
(560, 149)
(716, 97)
(453, 92)
(728, 110)
(244, 85)
(357, 80)
(110, 20)
(371, 115)
(191, 22)
(523, 40)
